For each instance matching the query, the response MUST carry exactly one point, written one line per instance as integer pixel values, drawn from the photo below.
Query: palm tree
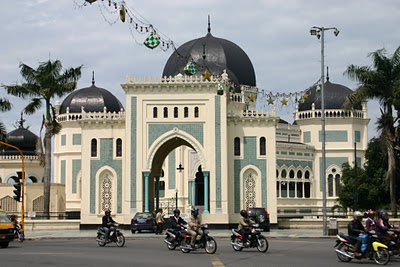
(5, 105)
(382, 82)
(42, 85)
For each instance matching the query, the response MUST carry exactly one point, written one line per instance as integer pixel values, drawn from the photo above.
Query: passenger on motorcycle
(370, 222)
(355, 228)
(244, 226)
(194, 226)
(108, 224)
(14, 220)
(382, 226)
(177, 222)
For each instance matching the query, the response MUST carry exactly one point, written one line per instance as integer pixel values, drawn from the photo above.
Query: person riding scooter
(355, 228)
(370, 222)
(244, 226)
(194, 226)
(382, 226)
(177, 222)
(108, 224)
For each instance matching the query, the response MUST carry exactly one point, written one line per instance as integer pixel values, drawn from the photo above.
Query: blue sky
(274, 34)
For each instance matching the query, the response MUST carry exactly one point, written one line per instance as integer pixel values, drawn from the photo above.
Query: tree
(5, 105)
(41, 85)
(381, 81)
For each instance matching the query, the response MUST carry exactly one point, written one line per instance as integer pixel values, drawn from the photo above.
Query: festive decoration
(318, 88)
(190, 68)
(251, 98)
(220, 90)
(284, 102)
(122, 13)
(270, 101)
(305, 96)
(91, 1)
(152, 41)
(206, 75)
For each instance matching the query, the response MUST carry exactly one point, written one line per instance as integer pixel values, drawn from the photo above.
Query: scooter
(172, 240)
(115, 234)
(255, 239)
(18, 233)
(205, 242)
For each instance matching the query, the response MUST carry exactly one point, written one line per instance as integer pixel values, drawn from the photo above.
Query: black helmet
(244, 213)
(177, 211)
(195, 212)
(107, 211)
(384, 215)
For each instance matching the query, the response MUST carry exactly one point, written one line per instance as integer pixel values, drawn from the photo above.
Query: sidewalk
(289, 233)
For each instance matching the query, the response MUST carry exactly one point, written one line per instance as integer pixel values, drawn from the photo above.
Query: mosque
(194, 137)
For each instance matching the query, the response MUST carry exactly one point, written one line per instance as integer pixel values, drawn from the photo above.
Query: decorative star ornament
(318, 88)
(251, 98)
(305, 96)
(284, 102)
(270, 101)
(206, 75)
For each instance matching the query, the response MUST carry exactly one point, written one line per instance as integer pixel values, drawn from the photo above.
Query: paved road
(153, 252)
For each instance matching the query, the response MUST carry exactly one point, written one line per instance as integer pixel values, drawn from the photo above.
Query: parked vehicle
(116, 237)
(204, 241)
(143, 221)
(255, 239)
(371, 248)
(260, 216)
(6, 230)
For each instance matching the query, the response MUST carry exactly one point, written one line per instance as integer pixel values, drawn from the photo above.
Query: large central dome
(215, 55)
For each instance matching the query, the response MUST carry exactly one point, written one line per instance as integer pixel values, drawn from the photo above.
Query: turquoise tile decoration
(63, 140)
(249, 158)
(133, 132)
(106, 159)
(194, 129)
(171, 170)
(63, 169)
(76, 168)
(217, 127)
(357, 135)
(307, 137)
(334, 136)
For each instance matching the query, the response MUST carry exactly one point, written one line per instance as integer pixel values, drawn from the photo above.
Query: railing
(53, 215)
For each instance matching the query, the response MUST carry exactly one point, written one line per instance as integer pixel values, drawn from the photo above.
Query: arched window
(237, 146)
(291, 174)
(155, 112)
(262, 146)
(94, 147)
(119, 147)
(196, 112)
(299, 174)
(186, 112)
(165, 112)
(176, 112)
(330, 185)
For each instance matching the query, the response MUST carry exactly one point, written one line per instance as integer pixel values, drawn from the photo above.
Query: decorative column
(146, 191)
(206, 208)
(157, 193)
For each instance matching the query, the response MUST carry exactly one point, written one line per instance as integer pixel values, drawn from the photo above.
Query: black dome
(92, 99)
(214, 54)
(335, 96)
(22, 138)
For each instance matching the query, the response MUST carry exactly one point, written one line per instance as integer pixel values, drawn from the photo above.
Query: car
(6, 230)
(260, 216)
(143, 221)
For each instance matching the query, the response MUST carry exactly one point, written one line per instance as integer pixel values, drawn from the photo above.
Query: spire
(93, 78)
(209, 25)
(327, 73)
(21, 121)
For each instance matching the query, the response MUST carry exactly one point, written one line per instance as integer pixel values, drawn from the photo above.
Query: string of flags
(114, 11)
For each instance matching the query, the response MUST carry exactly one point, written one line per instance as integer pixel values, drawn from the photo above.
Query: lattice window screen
(250, 190)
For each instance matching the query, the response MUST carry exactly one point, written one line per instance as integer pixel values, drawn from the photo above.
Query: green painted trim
(63, 170)
(307, 137)
(133, 132)
(171, 170)
(334, 136)
(76, 168)
(217, 126)
(63, 140)
(76, 139)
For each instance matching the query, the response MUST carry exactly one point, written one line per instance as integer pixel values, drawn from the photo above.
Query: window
(262, 146)
(119, 147)
(175, 112)
(237, 146)
(196, 112)
(186, 112)
(165, 112)
(155, 112)
(290, 184)
(94, 147)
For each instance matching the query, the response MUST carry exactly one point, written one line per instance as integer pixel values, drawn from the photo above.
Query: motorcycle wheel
(237, 244)
(262, 244)
(381, 256)
(101, 241)
(21, 237)
(211, 246)
(342, 257)
(120, 240)
(184, 244)
(172, 241)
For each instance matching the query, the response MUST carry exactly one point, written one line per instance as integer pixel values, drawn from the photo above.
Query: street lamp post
(176, 198)
(319, 32)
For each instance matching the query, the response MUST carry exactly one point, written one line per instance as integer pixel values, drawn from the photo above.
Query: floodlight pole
(319, 32)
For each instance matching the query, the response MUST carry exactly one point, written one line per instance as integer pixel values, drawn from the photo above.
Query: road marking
(216, 262)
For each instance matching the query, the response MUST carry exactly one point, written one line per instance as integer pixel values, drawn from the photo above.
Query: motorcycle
(115, 234)
(255, 239)
(371, 248)
(172, 240)
(394, 246)
(18, 233)
(205, 242)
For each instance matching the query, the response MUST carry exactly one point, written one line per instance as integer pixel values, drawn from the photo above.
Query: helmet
(357, 215)
(244, 213)
(107, 211)
(384, 215)
(371, 213)
(177, 211)
(195, 212)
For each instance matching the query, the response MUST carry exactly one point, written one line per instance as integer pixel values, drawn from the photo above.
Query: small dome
(215, 55)
(335, 95)
(92, 99)
(22, 138)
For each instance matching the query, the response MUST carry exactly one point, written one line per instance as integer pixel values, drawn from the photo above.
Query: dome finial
(21, 121)
(327, 73)
(93, 78)
(209, 25)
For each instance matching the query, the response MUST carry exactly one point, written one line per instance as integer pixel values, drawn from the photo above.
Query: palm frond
(5, 105)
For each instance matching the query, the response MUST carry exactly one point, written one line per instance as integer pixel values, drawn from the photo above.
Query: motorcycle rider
(194, 226)
(355, 228)
(382, 226)
(370, 222)
(15, 222)
(244, 226)
(159, 221)
(176, 223)
(108, 224)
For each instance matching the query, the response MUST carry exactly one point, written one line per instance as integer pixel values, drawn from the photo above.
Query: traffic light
(17, 191)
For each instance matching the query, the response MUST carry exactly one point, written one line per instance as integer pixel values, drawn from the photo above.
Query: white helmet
(357, 215)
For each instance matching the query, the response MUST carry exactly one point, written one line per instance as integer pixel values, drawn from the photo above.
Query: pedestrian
(159, 221)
